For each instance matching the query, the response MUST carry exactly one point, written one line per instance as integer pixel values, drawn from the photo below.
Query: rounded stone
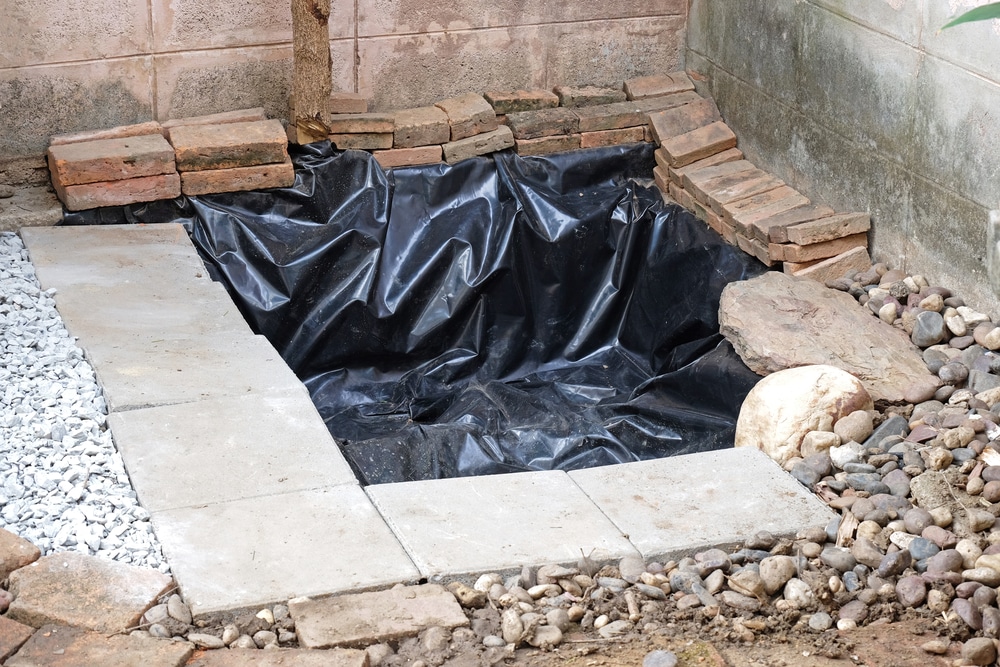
(911, 591)
(979, 651)
(928, 329)
(660, 658)
(839, 558)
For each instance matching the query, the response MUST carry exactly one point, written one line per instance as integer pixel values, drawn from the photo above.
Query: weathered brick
(855, 259)
(120, 132)
(773, 229)
(238, 179)
(361, 619)
(62, 646)
(829, 228)
(229, 145)
(543, 123)
(661, 179)
(15, 552)
(791, 267)
(422, 126)
(628, 114)
(408, 157)
(545, 145)
(697, 180)
(480, 144)
(745, 212)
(110, 159)
(239, 116)
(513, 101)
(626, 135)
(681, 196)
(468, 115)
(792, 252)
(699, 144)
(570, 96)
(119, 193)
(657, 84)
(12, 636)
(677, 175)
(362, 142)
(750, 185)
(754, 247)
(367, 123)
(680, 120)
(348, 103)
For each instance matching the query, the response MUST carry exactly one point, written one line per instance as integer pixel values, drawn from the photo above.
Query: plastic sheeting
(498, 315)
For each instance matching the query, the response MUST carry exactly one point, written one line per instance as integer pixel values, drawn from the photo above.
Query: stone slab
(239, 179)
(776, 321)
(655, 85)
(30, 206)
(513, 101)
(626, 135)
(116, 159)
(70, 588)
(698, 144)
(408, 157)
(828, 228)
(855, 259)
(583, 96)
(682, 504)
(773, 228)
(480, 144)
(367, 123)
(793, 252)
(282, 657)
(15, 552)
(369, 141)
(220, 449)
(543, 123)
(362, 619)
(545, 145)
(12, 636)
(119, 193)
(246, 554)
(421, 126)
(228, 145)
(60, 646)
(468, 115)
(138, 129)
(683, 119)
(536, 517)
(182, 368)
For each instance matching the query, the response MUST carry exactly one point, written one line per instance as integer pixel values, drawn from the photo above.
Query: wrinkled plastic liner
(499, 315)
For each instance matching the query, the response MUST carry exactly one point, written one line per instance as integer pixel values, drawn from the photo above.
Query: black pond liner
(502, 314)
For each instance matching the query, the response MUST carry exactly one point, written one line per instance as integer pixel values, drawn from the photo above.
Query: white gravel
(62, 483)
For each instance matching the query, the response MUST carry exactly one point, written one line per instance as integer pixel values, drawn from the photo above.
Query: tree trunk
(311, 78)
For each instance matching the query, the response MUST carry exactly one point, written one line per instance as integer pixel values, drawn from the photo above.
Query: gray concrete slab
(227, 448)
(180, 369)
(675, 506)
(497, 523)
(249, 553)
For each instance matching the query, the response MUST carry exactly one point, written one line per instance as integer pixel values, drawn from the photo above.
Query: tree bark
(311, 77)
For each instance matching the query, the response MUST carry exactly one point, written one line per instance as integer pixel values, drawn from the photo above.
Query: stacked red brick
(114, 167)
(699, 166)
(231, 153)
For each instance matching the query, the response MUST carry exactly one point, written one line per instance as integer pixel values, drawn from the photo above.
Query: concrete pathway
(254, 503)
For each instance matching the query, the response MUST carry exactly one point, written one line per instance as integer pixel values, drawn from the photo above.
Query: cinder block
(422, 126)
(480, 144)
(855, 259)
(119, 193)
(367, 123)
(698, 144)
(362, 142)
(229, 145)
(239, 116)
(110, 159)
(792, 252)
(829, 228)
(514, 101)
(543, 123)
(238, 179)
(570, 96)
(683, 119)
(468, 115)
(408, 157)
(658, 84)
(627, 135)
(120, 132)
(544, 145)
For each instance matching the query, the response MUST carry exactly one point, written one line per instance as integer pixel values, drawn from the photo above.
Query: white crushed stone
(63, 485)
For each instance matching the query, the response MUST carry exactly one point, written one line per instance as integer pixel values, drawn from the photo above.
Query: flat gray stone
(61, 646)
(31, 206)
(227, 448)
(363, 619)
(776, 321)
(496, 523)
(69, 588)
(675, 506)
(284, 657)
(260, 551)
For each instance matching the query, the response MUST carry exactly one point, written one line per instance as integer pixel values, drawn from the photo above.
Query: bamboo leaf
(984, 13)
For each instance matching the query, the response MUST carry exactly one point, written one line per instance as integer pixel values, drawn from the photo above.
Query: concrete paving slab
(112, 254)
(246, 554)
(61, 646)
(675, 506)
(227, 448)
(184, 368)
(497, 523)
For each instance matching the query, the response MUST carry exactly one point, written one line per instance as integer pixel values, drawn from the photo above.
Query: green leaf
(984, 13)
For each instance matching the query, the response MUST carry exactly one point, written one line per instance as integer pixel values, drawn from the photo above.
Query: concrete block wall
(68, 67)
(863, 104)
